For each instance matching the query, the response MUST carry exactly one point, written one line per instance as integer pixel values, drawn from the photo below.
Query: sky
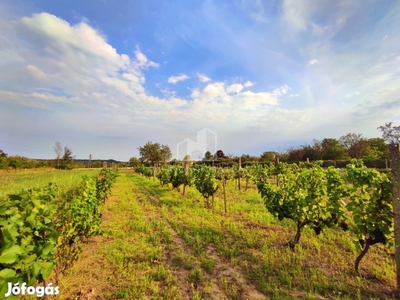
(106, 77)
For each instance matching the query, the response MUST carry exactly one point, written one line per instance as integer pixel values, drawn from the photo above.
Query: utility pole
(90, 161)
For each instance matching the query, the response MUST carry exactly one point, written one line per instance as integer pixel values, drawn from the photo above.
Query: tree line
(64, 160)
(345, 148)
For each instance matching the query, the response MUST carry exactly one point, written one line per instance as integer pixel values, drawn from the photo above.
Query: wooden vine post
(239, 172)
(185, 186)
(392, 136)
(395, 165)
(276, 165)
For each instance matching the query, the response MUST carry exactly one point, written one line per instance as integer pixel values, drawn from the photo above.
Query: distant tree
(376, 149)
(97, 164)
(312, 152)
(21, 162)
(67, 160)
(269, 156)
(283, 156)
(317, 149)
(208, 156)
(15, 162)
(58, 150)
(186, 158)
(134, 162)
(333, 150)
(295, 154)
(3, 160)
(220, 154)
(354, 143)
(174, 162)
(154, 154)
(246, 159)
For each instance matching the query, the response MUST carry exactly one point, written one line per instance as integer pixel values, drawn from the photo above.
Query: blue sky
(105, 77)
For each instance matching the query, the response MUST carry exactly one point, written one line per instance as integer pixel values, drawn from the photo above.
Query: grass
(161, 245)
(15, 181)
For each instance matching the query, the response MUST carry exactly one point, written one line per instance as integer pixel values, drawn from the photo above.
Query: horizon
(104, 78)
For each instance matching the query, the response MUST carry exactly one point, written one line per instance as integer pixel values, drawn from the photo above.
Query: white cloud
(312, 62)
(143, 61)
(175, 79)
(71, 72)
(234, 88)
(36, 72)
(297, 13)
(248, 84)
(203, 78)
(74, 77)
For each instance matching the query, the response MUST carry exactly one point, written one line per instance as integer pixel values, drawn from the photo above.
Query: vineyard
(41, 233)
(285, 231)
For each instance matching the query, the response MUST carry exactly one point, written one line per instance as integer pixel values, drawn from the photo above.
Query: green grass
(162, 245)
(15, 181)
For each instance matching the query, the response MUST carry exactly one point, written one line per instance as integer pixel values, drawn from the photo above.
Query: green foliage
(67, 160)
(332, 149)
(134, 162)
(104, 182)
(34, 238)
(175, 175)
(311, 195)
(80, 217)
(154, 153)
(375, 150)
(370, 203)
(269, 156)
(164, 175)
(208, 156)
(28, 237)
(306, 194)
(204, 181)
(224, 174)
(145, 171)
(301, 196)
(3, 160)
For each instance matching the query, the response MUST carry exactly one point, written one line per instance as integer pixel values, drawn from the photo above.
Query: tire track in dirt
(227, 281)
(187, 288)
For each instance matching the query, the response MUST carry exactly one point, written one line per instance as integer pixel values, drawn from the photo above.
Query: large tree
(376, 149)
(67, 160)
(392, 136)
(154, 154)
(354, 143)
(332, 149)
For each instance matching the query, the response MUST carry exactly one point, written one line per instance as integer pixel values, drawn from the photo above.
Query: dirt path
(224, 281)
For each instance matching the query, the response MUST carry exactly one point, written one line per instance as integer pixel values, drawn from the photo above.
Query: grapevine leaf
(7, 273)
(8, 258)
(15, 249)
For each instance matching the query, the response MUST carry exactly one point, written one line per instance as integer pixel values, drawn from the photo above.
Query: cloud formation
(175, 79)
(264, 74)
